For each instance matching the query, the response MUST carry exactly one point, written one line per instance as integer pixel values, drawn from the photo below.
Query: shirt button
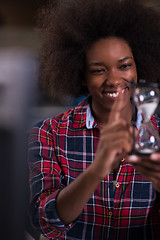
(117, 185)
(110, 213)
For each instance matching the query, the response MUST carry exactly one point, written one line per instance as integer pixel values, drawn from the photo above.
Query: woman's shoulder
(63, 118)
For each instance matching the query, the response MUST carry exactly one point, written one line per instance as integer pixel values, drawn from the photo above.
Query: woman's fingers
(116, 108)
(148, 166)
(152, 165)
(116, 138)
(151, 175)
(121, 141)
(121, 145)
(116, 127)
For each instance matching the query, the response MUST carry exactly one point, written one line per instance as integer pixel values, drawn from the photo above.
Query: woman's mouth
(115, 94)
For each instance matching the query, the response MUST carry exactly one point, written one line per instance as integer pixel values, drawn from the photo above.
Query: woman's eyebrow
(103, 64)
(124, 59)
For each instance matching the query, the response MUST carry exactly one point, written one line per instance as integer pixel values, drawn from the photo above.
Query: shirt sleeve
(45, 182)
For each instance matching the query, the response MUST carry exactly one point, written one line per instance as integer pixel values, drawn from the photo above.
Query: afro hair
(69, 27)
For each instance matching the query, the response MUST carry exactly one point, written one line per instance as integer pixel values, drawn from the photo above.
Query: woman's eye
(125, 66)
(98, 71)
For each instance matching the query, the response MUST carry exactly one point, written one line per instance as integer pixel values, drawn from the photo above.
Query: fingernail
(133, 158)
(155, 156)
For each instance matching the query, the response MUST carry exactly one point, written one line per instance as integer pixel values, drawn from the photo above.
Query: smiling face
(110, 67)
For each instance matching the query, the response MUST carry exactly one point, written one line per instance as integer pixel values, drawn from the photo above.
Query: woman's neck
(102, 118)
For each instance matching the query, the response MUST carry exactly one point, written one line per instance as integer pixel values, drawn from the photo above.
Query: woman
(84, 184)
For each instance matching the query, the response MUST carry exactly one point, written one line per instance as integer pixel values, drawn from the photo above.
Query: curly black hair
(69, 27)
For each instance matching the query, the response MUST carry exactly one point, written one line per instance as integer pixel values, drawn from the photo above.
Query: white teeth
(113, 94)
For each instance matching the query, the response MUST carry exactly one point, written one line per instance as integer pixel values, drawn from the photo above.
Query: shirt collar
(79, 115)
(83, 116)
(89, 118)
(90, 122)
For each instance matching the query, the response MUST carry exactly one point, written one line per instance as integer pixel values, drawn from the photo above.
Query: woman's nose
(113, 78)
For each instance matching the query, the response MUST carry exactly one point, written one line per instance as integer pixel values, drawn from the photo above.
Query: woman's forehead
(111, 47)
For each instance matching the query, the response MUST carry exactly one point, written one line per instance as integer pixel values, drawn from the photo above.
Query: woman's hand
(149, 166)
(116, 140)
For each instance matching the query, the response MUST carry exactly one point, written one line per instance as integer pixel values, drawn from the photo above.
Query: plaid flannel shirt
(60, 148)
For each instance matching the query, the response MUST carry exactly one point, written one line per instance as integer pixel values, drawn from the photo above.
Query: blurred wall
(19, 66)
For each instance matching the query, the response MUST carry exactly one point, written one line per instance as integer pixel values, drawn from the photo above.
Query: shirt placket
(114, 191)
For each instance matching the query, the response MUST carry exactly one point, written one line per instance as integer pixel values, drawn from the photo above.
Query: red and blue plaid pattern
(62, 147)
